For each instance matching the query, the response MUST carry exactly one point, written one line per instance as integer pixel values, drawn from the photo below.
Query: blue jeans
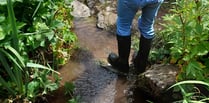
(127, 10)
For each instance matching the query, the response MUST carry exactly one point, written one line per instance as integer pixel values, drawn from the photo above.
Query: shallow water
(93, 83)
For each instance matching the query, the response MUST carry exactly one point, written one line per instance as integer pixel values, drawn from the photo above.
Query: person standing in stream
(126, 12)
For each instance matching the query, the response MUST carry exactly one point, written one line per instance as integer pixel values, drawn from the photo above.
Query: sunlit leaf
(190, 82)
(52, 86)
(32, 86)
(2, 34)
(3, 2)
(18, 56)
(2, 17)
(38, 66)
(49, 35)
(12, 59)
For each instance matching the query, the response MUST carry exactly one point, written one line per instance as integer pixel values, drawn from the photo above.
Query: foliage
(186, 32)
(69, 88)
(28, 36)
(193, 95)
(47, 24)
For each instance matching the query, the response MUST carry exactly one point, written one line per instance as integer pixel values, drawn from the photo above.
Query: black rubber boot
(120, 61)
(140, 61)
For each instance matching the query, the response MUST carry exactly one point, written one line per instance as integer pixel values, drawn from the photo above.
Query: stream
(93, 83)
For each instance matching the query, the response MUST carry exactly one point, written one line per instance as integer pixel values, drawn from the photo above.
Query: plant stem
(13, 24)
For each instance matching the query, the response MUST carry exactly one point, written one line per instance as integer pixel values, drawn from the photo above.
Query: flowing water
(93, 83)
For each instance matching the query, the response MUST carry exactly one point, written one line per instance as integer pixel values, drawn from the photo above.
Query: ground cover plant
(34, 40)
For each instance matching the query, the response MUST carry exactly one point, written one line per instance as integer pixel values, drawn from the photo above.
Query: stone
(106, 19)
(157, 79)
(80, 9)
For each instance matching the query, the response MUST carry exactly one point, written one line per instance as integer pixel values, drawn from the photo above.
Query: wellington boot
(120, 61)
(140, 61)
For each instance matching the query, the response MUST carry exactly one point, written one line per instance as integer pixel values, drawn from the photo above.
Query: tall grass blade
(18, 75)
(11, 58)
(39, 4)
(19, 58)
(15, 42)
(7, 67)
(4, 83)
(12, 19)
(190, 82)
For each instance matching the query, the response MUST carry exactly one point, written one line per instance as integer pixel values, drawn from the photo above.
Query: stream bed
(93, 83)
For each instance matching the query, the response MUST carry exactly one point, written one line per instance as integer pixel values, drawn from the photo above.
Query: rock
(102, 1)
(157, 79)
(79, 9)
(106, 18)
(91, 3)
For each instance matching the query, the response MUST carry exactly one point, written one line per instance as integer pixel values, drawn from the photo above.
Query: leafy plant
(186, 32)
(193, 95)
(9, 55)
(26, 36)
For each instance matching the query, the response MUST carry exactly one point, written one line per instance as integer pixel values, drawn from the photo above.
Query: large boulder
(156, 80)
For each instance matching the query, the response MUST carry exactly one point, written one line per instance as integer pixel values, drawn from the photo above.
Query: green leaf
(199, 29)
(2, 17)
(5, 84)
(15, 40)
(20, 25)
(41, 26)
(3, 2)
(6, 66)
(49, 35)
(19, 58)
(33, 65)
(32, 87)
(2, 34)
(12, 58)
(202, 49)
(52, 86)
(58, 24)
(69, 88)
(192, 68)
(42, 44)
(189, 82)
(39, 4)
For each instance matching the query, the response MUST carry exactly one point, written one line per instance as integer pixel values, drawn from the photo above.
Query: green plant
(40, 83)
(186, 32)
(47, 28)
(9, 55)
(69, 88)
(29, 31)
(191, 95)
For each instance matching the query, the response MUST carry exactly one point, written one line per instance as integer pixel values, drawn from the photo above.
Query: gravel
(96, 85)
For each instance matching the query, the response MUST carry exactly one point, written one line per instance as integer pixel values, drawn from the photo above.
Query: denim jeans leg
(126, 11)
(146, 20)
